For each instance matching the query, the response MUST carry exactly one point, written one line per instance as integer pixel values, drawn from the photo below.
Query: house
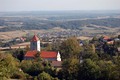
(35, 48)
(108, 40)
(46, 55)
(56, 64)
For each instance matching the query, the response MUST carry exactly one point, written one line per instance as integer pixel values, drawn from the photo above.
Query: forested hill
(35, 23)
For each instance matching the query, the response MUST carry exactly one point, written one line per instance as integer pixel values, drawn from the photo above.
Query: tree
(70, 68)
(91, 56)
(89, 52)
(44, 76)
(27, 48)
(90, 48)
(89, 70)
(37, 55)
(32, 68)
(70, 48)
(36, 68)
(19, 54)
(48, 47)
(9, 67)
(26, 65)
(116, 71)
(106, 69)
(94, 39)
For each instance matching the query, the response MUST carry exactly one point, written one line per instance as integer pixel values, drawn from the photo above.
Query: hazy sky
(34, 5)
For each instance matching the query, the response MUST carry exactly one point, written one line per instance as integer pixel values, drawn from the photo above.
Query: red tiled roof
(43, 54)
(56, 63)
(106, 38)
(35, 38)
(48, 54)
(30, 53)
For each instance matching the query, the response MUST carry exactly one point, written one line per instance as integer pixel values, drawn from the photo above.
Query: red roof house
(106, 37)
(46, 55)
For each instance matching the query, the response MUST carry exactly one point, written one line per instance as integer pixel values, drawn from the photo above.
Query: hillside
(28, 23)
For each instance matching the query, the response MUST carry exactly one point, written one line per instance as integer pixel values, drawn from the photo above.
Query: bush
(44, 76)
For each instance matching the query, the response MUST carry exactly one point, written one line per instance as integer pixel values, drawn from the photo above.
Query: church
(45, 55)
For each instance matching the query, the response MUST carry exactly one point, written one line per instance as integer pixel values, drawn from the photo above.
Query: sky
(53, 5)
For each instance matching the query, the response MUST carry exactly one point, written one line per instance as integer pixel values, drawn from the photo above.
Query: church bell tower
(35, 43)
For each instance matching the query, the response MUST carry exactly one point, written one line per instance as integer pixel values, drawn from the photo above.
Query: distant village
(53, 39)
(50, 37)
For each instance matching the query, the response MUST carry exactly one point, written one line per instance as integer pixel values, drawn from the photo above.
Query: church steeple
(35, 43)
(35, 38)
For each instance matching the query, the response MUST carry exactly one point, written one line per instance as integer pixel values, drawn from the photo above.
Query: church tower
(35, 43)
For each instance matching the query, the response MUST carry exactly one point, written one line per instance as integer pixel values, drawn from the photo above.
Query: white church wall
(58, 56)
(38, 45)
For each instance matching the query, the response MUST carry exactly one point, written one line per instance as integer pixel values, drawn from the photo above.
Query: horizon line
(57, 10)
